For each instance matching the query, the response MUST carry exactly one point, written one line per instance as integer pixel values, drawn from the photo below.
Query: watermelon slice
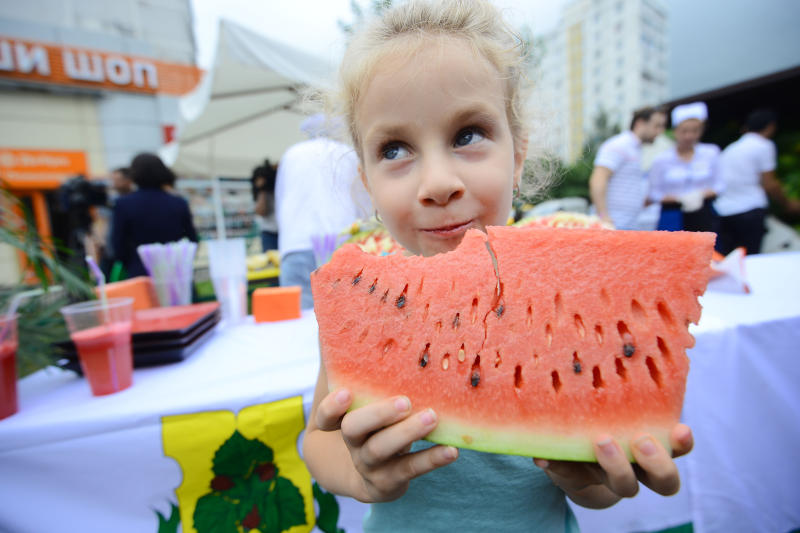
(528, 341)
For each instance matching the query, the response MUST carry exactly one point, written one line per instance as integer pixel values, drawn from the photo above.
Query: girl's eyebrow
(477, 112)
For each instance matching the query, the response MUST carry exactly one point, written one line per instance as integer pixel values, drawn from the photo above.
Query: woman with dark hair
(148, 215)
(263, 184)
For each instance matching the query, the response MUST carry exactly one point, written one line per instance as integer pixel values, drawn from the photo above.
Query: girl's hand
(379, 437)
(613, 477)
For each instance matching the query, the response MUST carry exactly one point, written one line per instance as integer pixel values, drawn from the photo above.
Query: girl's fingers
(681, 440)
(332, 408)
(571, 475)
(361, 423)
(658, 470)
(619, 474)
(415, 464)
(391, 480)
(393, 440)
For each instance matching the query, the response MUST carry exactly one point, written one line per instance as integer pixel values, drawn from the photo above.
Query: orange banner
(40, 169)
(81, 67)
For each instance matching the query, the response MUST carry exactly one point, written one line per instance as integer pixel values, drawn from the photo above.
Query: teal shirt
(479, 492)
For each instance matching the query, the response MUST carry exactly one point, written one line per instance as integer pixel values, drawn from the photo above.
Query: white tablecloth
(98, 464)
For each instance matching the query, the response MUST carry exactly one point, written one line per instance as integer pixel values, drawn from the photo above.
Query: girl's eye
(393, 151)
(468, 136)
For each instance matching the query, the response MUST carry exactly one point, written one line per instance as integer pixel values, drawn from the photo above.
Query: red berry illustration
(266, 471)
(221, 483)
(252, 519)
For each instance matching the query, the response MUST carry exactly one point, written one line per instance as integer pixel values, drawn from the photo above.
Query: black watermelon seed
(372, 288)
(423, 361)
(576, 366)
(356, 280)
(475, 378)
(628, 350)
(401, 301)
(500, 311)
(456, 321)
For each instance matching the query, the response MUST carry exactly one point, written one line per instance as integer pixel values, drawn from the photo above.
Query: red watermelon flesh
(531, 341)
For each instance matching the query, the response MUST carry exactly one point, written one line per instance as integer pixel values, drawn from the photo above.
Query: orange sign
(80, 67)
(39, 169)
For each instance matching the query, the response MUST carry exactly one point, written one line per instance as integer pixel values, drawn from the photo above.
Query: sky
(311, 25)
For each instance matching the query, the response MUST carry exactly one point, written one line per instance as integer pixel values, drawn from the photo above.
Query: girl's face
(438, 155)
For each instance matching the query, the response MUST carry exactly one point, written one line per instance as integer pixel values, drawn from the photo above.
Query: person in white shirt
(747, 168)
(617, 185)
(317, 193)
(685, 179)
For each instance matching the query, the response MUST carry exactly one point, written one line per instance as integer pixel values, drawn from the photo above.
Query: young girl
(432, 93)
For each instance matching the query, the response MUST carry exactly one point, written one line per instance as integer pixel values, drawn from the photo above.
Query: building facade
(84, 86)
(606, 56)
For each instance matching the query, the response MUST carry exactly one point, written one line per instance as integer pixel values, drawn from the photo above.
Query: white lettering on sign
(24, 59)
(26, 159)
(6, 61)
(78, 65)
(33, 58)
(140, 69)
(118, 70)
(85, 67)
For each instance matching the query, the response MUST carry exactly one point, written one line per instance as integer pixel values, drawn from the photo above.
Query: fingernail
(542, 463)
(607, 447)
(343, 397)
(427, 417)
(402, 404)
(646, 446)
(450, 453)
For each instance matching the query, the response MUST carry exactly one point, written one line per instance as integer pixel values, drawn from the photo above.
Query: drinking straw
(14, 305)
(101, 283)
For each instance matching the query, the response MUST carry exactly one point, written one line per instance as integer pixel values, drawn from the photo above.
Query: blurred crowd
(692, 186)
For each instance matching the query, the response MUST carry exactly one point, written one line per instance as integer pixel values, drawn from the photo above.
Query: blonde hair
(404, 29)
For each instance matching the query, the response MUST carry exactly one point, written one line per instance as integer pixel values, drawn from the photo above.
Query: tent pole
(219, 214)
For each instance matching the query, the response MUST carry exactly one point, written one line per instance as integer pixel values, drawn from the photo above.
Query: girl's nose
(439, 182)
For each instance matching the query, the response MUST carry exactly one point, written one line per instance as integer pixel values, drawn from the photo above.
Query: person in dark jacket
(148, 215)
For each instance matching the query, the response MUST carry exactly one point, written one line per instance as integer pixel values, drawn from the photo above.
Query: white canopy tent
(247, 108)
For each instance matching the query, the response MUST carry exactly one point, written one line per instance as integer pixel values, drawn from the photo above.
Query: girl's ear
(520, 153)
(363, 176)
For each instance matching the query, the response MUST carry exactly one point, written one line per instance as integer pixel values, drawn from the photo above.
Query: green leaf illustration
(328, 516)
(282, 508)
(246, 492)
(238, 456)
(215, 514)
(169, 525)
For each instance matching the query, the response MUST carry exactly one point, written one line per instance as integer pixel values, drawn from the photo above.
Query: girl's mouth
(449, 230)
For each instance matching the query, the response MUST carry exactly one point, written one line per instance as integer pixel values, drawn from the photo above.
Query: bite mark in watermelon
(528, 341)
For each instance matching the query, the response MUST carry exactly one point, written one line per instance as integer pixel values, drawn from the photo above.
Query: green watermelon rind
(555, 446)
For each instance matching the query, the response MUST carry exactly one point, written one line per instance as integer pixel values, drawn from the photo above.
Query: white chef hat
(696, 110)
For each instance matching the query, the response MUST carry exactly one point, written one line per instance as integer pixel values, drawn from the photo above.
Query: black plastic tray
(152, 353)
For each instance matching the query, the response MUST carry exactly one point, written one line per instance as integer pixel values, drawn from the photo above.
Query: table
(115, 463)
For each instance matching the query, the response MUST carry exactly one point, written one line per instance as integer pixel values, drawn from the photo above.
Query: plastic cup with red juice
(102, 336)
(8, 366)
